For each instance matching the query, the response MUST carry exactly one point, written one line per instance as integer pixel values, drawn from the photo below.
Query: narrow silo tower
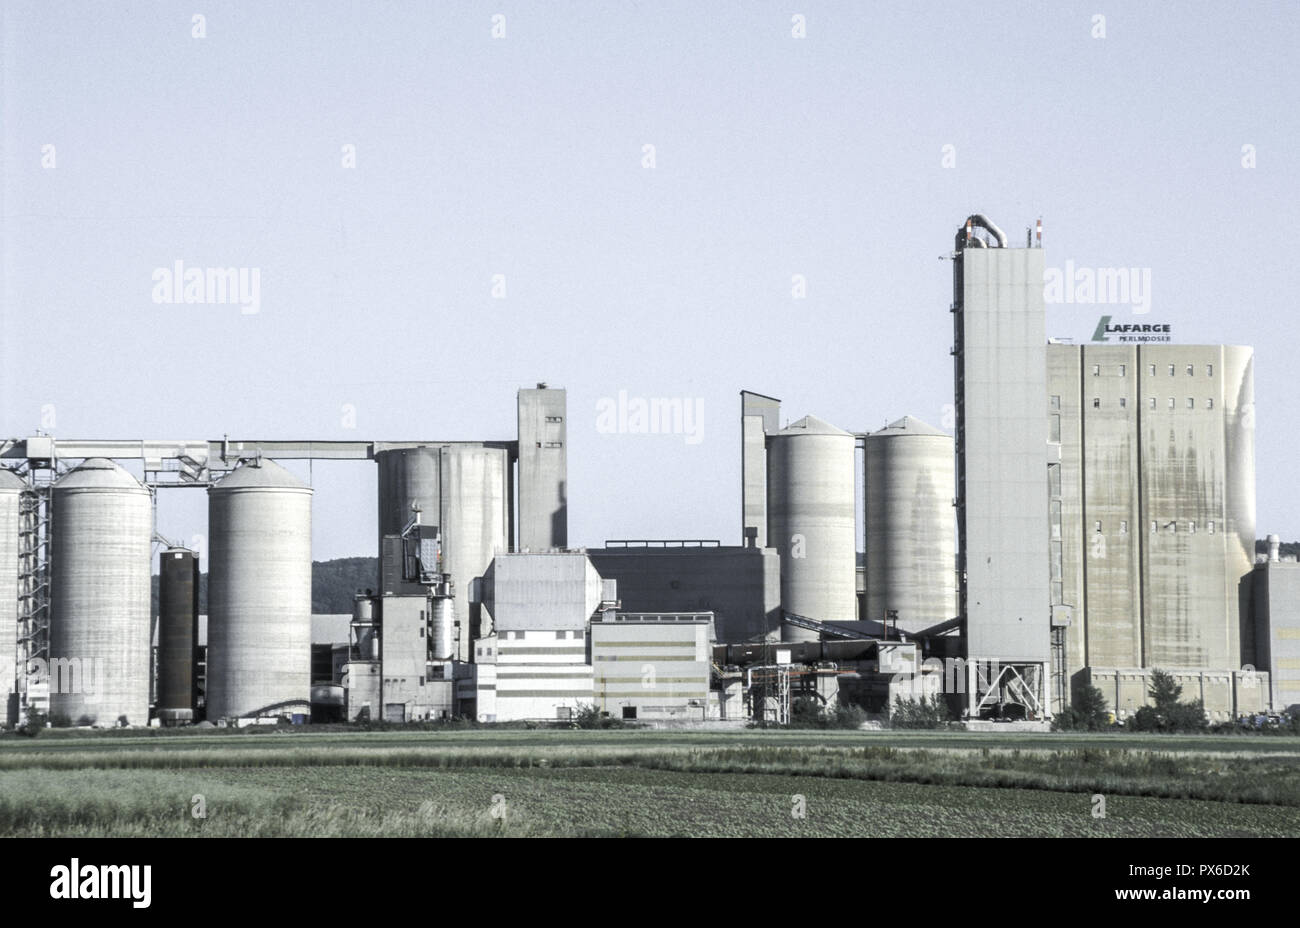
(178, 619)
(910, 524)
(11, 488)
(100, 540)
(810, 521)
(259, 593)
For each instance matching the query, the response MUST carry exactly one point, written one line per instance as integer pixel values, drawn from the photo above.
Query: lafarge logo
(1130, 332)
(88, 881)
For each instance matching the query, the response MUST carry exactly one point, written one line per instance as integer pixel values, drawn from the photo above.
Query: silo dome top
(98, 474)
(10, 482)
(263, 474)
(909, 425)
(811, 425)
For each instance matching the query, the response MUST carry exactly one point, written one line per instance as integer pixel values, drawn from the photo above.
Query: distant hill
(333, 584)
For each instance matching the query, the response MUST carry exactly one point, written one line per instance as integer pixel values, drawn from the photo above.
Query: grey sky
(523, 156)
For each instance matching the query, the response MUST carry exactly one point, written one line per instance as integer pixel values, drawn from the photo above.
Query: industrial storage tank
(11, 489)
(178, 622)
(259, 593)
(810, 522)
(464, 490)
(910, 526)
(100, 557)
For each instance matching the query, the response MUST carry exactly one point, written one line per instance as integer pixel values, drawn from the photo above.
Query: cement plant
(1091, 522)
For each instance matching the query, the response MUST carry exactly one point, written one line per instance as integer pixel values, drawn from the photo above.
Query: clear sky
(524, 156)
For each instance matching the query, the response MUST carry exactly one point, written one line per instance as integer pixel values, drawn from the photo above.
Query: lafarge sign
(1131, 332)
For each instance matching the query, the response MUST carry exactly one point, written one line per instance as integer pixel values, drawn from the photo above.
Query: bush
(34, 724)
(1087, 712)
(807, 712)
(589, 716)
(1166, 713)
(926, 712)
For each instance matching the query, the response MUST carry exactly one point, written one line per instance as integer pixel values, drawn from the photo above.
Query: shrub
(926, 712)
(34, 724)
(1087, 712)
(589, 716)
(1166, 713)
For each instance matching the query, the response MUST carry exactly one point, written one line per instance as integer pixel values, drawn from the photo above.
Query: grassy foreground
(517, 783)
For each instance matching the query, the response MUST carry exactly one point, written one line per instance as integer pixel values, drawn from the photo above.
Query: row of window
(1151, 402)
(560, 635)
(1170, 527)
(1151, 368)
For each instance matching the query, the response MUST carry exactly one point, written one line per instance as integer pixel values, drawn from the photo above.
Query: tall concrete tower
(1000, 379)
(543, 470)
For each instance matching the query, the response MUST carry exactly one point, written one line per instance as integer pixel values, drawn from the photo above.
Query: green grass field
(654, 783)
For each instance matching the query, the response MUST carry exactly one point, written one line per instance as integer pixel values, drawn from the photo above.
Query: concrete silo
(259, 593)
(11, 488)
(810, 521)
(178, 619)
(100, 554)
(910, 528)
(463, 489)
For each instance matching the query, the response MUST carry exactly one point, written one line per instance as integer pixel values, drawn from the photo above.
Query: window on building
(1209, 404)
(1123, 402)
(1123, 369)
(1123, 526)
(561, 634)
(1171, 402)
(1172, 527)
(1154, 528)
(1096, 526)
(1054, 428)
(555, 418)
(1153, 370)
(1191, 403)
(1096, 402)
(1191, 528)
(1191, 370)
(1209, 370)
(1053, 479)
(1171, 370)
(1153, 402)
(1209, 527)
(1055, 402)
(629, 712)
(1096, 370)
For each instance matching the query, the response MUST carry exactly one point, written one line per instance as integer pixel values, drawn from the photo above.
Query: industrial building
(1152, 515)
(1000, 373)
(1091, 520)
(1275, 593)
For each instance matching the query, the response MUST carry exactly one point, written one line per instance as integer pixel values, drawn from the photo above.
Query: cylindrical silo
(810, 522)
(464, 490)
(11, 488)
(910, 525)
(100, 557)
(259, 593)
(178, 621)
